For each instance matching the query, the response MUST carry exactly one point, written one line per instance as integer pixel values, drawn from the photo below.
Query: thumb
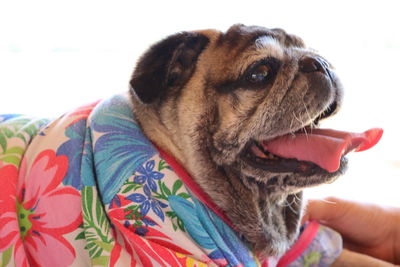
(326, 211)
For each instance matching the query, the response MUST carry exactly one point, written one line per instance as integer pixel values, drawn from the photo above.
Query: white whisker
(312, 124)
(299, 120)
(301, 123)
(291, 130)
(286, 204)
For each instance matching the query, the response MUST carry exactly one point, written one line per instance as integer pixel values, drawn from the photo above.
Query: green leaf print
(80, 236)
(3, 141)
(134, 213)
(19, 128)
(184, 195)
(129, 186)
(164, 194)
(96, 226)
(164, 189)
(312, 258)
(101, 261)
(176, 221)
(178, 184)
(12, 155)
(162, 164)
(106, 246)
(7, 132)
(6, 257)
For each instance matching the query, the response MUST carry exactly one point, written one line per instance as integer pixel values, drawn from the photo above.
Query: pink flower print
(45, 212)
(8, 218)
(82, 112)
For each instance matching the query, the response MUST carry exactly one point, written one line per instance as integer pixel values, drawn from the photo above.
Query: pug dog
(214, 100)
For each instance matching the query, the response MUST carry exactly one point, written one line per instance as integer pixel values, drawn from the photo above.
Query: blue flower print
(149, 222)
(147, 201)
(142, 231)
(120, 138)
(115, 202)
(78, 150)
(147, 174)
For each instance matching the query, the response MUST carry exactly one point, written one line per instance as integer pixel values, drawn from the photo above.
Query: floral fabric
(322, 251)
(89, 189)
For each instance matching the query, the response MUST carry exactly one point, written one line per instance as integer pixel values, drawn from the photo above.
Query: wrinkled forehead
(241, 37)
(240, 42)
(234, 50)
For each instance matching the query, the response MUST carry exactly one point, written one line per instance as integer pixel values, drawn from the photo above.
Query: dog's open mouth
(309, 149)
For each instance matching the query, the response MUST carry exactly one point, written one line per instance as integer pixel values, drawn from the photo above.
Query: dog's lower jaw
(268, 221)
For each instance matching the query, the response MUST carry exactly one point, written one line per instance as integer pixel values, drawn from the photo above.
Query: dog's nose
(311, 64)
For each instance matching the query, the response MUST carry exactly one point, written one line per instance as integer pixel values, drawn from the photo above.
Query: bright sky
(56, 55)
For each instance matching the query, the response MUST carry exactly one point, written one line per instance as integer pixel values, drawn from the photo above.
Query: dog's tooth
(270, 156)
(257, 151)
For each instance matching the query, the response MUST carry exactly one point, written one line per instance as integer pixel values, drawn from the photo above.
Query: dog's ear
(167, 64)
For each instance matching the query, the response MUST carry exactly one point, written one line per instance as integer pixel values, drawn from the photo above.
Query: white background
(57, 55)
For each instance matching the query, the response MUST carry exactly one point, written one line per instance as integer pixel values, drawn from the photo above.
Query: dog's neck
(269, 221)
(156, 131)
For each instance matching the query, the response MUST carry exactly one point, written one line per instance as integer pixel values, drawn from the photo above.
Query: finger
(380, 252)
(326, 210)
(353, 220)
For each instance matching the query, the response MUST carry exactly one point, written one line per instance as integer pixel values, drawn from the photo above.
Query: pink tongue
(323, 147)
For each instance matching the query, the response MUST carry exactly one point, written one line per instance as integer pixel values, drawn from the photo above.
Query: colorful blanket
(89, 189)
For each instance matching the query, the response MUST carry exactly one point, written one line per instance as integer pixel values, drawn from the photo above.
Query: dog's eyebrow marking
(264, 41)
(270, 45)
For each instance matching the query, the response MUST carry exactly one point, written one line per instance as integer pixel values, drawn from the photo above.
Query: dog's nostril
(310, 64)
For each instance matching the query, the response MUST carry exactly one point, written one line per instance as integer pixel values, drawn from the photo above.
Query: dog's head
(214, 100)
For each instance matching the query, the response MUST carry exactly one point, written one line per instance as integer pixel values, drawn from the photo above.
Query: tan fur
(208, 129)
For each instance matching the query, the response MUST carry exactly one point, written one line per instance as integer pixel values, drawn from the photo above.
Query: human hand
(368, 229)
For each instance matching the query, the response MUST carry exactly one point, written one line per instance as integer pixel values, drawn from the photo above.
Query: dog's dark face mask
(220, 101)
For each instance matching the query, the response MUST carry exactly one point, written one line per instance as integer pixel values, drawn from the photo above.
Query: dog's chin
(275, 184)
(276, 192)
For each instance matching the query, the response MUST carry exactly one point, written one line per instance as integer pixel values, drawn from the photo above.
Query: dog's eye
(260, 74)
